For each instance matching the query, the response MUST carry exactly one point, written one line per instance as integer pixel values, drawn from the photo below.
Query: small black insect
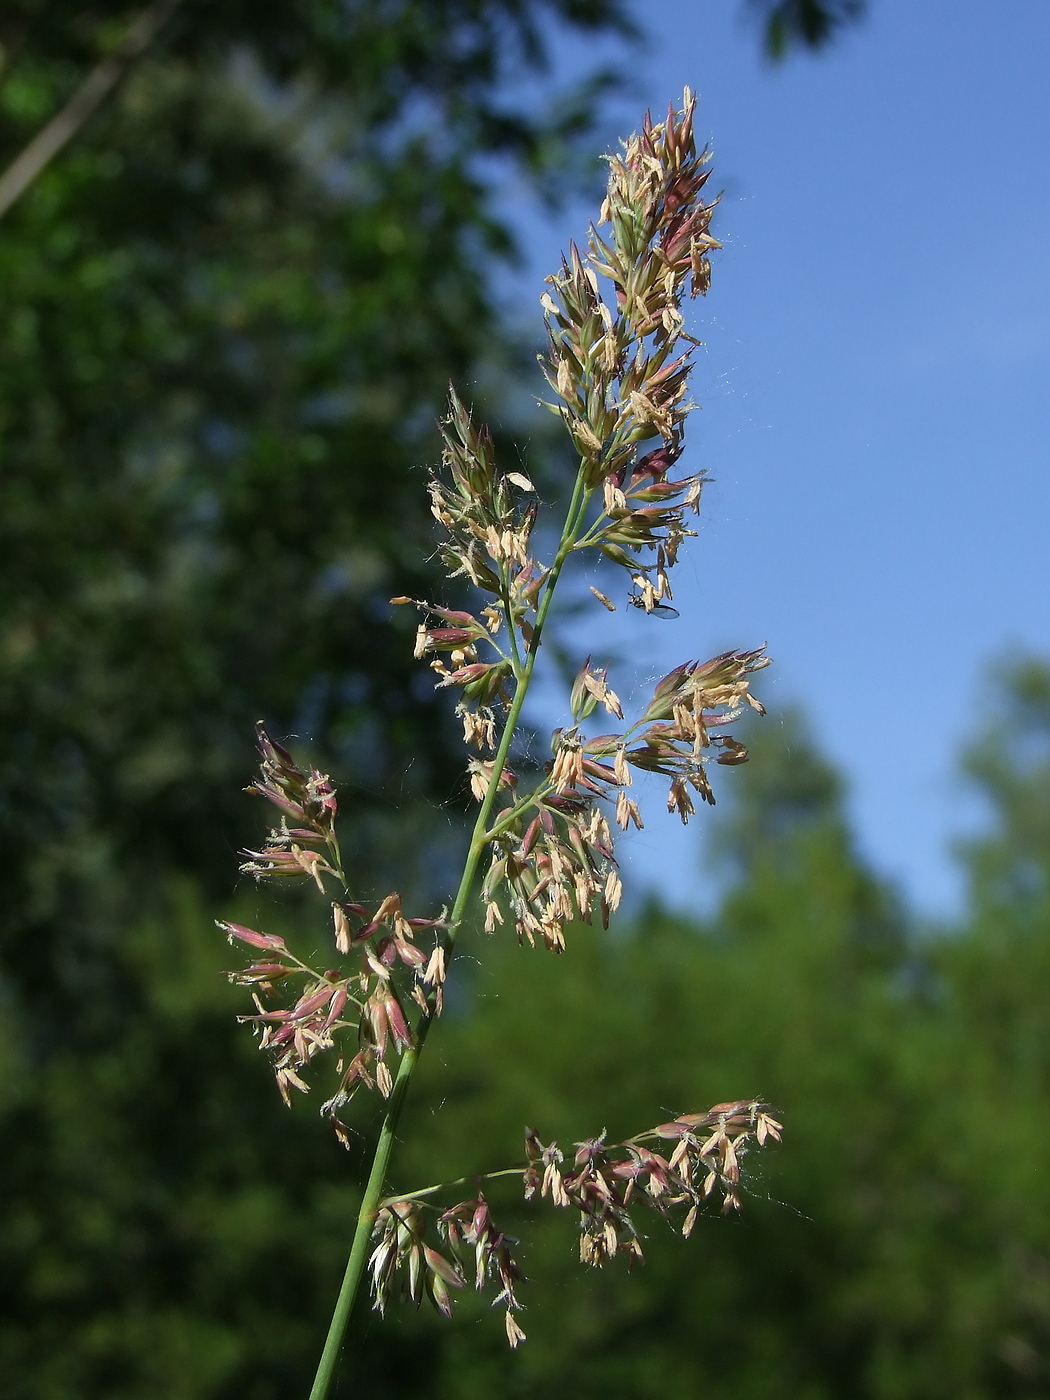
(657, 610)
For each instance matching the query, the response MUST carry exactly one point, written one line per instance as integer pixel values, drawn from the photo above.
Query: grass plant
(541, 853)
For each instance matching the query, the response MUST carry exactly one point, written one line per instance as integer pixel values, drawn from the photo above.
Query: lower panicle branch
(606, 1183)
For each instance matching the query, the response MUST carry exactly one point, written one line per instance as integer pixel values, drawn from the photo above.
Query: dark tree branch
(62, 127)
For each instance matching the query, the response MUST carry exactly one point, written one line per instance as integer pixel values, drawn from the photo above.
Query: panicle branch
(360, 1011)
(605, 1183)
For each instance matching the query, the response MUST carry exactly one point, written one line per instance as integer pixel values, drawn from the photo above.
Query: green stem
(508, 614)
(371, 1200)
(355, 1265)
(474, 1180)
(510, 814)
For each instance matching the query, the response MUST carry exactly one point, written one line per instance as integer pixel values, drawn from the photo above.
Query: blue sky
(876, 392)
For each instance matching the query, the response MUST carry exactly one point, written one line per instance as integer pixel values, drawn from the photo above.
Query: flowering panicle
(618, 364)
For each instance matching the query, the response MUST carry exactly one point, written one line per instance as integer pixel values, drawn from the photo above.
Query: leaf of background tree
(789, 24)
